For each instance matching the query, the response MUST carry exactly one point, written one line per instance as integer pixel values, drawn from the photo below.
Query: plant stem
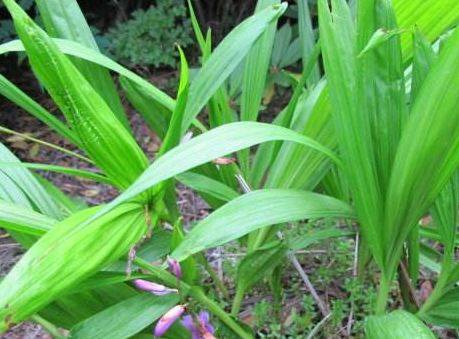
(383, 296)
(50, 327)
(195, 293)
(237, 302)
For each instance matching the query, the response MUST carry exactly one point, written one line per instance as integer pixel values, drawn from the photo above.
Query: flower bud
(152, 287)
(175, 267)
(168, 319)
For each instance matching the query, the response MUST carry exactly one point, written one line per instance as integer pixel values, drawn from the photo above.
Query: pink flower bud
(224, 161)
(152, 287)
(174, 266)
(168, 319)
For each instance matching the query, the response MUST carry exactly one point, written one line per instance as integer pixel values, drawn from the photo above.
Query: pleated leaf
(124, 319)
(433, 17)
(102, 135)
(64, 19)
(396, 325)
(255, 210)
(64, 257)
(425, 159)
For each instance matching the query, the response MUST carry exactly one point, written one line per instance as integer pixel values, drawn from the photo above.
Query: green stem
(195, 293)
(50, 327)
(199, 295)
(237, 302)
(383, 296)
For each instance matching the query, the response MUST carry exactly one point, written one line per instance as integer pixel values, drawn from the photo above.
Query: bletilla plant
(372, 141)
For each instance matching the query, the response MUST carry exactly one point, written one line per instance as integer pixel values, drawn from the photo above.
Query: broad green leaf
(433, 17)
(445, 311)
(297, 166)
(396, 325)
(225, 59)
(256, 67)
(208, 146)
(352, 125)
(106, 278)
(139, 90)
(64, 257)
(75, 49)
(64, 19)
(13, 93)
(26, 183)
(425, 158)
(124, 319)
(102, 135)
(255, 210)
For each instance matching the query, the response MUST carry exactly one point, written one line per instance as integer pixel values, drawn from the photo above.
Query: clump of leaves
(149, 37)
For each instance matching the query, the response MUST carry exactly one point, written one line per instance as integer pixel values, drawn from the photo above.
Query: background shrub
(148, 38)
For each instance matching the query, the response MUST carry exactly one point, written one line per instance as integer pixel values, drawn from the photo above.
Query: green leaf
(124, 319)
(13, 93)
(60, 169)
(24, 220)
(445, 311)
(143, 100)
(304, 241)
(257, 265)
(425, 158)
(307, 40)
(352, 124)
(378, 38)
(396, 325)
(103, 137)
(254, 78)
(256, 68)
(225, 59)
(208, 146)
(433, 17)
(204, 184)
(28, 185)
(64, 257)
(64, 19)
(297, 166)
(255, 210)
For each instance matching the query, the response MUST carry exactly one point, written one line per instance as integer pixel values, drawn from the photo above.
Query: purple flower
(168, 319)
(174, 266)
(200, 327)
(152, 287)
